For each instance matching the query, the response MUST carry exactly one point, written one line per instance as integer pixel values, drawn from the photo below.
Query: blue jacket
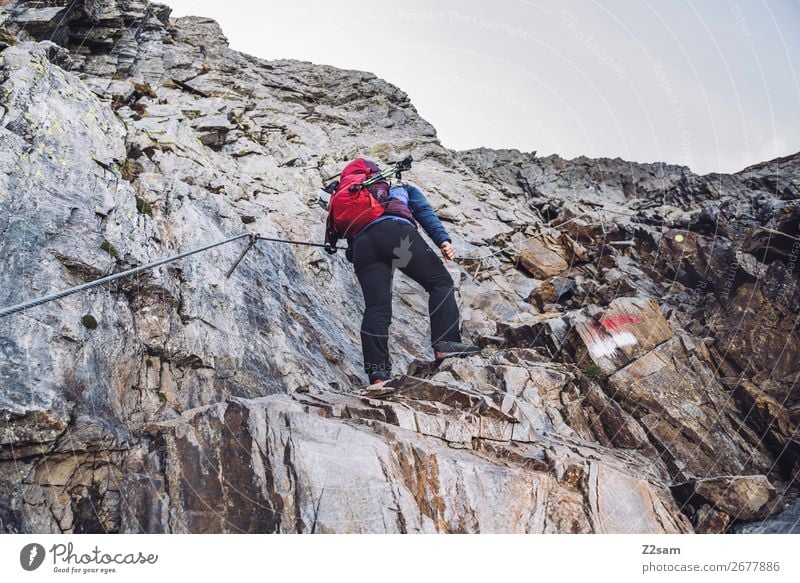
(425, 216)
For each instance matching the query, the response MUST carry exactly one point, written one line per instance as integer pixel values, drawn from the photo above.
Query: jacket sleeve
(425, 216)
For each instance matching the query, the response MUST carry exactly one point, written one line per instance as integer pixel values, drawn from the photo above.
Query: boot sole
(443, 355)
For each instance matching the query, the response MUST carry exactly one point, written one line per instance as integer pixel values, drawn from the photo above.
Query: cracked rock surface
(639, 322)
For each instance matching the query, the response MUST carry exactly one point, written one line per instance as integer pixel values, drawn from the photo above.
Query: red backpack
(349, 212)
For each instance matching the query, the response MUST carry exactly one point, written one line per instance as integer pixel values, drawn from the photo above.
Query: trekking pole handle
(405, 163)
(402, 166)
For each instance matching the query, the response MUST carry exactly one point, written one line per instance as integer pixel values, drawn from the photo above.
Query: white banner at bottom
(386, 558)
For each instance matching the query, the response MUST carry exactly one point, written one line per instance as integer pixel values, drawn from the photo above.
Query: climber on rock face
(380, 224)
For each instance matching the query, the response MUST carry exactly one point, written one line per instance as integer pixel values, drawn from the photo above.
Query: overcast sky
(711, 84)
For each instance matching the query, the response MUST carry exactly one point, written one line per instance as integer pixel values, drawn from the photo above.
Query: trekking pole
(396, 169)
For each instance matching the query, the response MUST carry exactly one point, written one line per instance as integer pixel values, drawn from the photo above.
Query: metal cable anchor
(253, 237)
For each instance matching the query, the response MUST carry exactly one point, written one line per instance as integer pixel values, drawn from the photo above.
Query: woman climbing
(379, 223)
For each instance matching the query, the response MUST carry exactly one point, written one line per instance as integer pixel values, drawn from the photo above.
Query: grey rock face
(418, 456)
(619, 364)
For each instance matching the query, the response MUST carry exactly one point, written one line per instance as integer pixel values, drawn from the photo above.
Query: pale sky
(711, 84)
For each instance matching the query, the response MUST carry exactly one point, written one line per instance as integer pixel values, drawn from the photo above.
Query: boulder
(541, 256)
(612, 337)
(739, 497)
(674, 395)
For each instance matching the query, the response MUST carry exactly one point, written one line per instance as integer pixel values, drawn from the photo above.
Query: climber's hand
(448, 251)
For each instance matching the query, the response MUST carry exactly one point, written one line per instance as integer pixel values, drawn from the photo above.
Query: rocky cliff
(639, 321)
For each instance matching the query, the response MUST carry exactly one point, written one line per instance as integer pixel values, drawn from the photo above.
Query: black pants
(395, 244)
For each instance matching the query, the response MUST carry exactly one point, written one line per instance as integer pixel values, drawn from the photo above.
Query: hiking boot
(446, 349)
(379, 377)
